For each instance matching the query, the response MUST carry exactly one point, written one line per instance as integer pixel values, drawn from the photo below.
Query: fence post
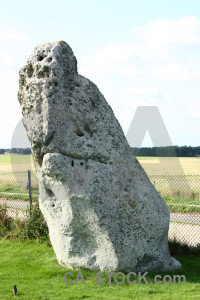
(29, 189)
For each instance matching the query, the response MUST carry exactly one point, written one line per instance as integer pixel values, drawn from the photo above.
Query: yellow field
(13, 171)
(170, 165)
(152, 165)
(16, 163)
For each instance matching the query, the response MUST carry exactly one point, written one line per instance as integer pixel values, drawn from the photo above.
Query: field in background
(8, 163)
(170, 165)
(176, 179)
(152, 165)
(14, 177)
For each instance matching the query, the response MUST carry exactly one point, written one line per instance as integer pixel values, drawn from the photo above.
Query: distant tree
(26, 151)
(13, 150)
(168, 151)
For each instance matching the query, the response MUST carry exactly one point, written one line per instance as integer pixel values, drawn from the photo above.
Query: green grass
(18, 197)
(34, 268)
(4, 159)
(181, 208)
(181, 200)
(182, 205)
(15, 192)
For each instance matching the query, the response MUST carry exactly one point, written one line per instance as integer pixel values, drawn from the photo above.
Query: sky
(138, 53)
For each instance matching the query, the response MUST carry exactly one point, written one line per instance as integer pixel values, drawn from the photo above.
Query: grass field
(34, 269)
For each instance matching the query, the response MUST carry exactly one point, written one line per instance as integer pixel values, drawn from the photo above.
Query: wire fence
(19, 191)
(182, 195)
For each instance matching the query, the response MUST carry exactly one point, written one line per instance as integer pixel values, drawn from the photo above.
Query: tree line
(180, 151)
(16, 151)
(168, 151)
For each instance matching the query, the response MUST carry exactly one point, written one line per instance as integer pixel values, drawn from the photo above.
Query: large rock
(101, 209)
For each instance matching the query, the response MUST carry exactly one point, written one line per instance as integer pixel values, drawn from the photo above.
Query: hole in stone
(36, 145)
(72, 163)
(40, 58)
(81, 163)
(49, 138)
(40, 160)
(27, 87)
(87, 128)
(93, 103)
(49, 59)
(79, 132)
(44, 72)
(49, 193)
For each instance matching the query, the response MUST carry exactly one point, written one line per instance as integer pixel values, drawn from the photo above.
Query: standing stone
(100, 206)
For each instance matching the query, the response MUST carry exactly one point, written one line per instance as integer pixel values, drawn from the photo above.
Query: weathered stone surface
(101, 209)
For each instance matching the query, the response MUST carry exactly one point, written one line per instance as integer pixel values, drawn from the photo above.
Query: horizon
(5, 148)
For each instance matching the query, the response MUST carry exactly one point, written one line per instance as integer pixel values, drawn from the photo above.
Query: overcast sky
(139, 53)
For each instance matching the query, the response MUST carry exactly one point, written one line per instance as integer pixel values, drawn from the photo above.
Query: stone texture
(101, 209)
